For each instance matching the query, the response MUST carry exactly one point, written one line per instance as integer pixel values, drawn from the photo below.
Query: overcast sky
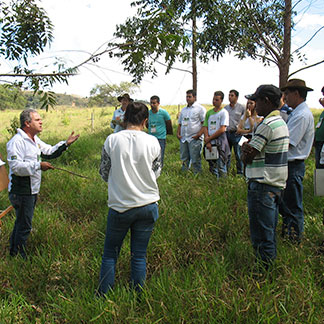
(83, 26)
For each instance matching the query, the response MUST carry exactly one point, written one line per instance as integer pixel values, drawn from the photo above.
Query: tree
(106, 95)
(25, 32)
(173, 30)
(11, 97)
(187, 30)
(264, 32)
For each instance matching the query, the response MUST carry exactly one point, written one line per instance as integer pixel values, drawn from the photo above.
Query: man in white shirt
(24, 153)
(118, 117)
(189, 126)
(301, 135)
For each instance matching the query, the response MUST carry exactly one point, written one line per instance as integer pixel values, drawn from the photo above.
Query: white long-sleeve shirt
(24, 157)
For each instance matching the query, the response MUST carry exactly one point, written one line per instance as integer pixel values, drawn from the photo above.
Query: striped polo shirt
(271, 140)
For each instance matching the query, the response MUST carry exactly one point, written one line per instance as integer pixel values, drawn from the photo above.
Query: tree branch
(173, 68)
(37, 75)
(298, 49)
(267, 44)
(306, 67)
(263, 57)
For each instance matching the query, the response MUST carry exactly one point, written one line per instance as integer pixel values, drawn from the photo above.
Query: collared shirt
(118, 115)
(270, 165)
(301, 132)
(191, 119)
(156, 123)
(24, 157)
(214, 120)
(235, 113)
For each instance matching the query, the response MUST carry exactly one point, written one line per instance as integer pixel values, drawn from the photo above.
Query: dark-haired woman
(249, 120)
(130, 163)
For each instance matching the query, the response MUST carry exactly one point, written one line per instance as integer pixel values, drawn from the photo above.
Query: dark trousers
(24, 206)
(291, 207)
(162, 143)
(233, 140)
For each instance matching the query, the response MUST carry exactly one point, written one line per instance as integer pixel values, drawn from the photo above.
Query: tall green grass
(200, 260)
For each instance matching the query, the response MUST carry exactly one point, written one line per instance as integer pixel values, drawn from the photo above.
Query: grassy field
(200, 259)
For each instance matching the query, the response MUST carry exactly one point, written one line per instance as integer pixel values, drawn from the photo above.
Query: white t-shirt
(131, 162)
(191, 119)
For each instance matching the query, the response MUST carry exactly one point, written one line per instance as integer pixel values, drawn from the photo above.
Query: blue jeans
(162, 143)
(263, 203)
(24, 206)
(218, 168)
(233, 140)
(190, 153)
(291, 207)
(140, 221)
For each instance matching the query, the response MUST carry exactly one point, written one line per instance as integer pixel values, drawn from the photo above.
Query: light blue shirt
(301, 132)
(117, 113)
(191, 119)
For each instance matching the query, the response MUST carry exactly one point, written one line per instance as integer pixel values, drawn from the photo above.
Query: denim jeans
(140, 221)
(24, 206)
(218, 168)
(318, 149)
(162, 143)
(263, 203)
(233, 140)
(190, 153)
(291, 207)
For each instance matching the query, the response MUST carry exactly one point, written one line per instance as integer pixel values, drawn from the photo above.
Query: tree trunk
(285, 60)
(194, 47)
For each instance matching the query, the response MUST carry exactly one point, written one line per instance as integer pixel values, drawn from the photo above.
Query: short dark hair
(235, 92)
(322, 90)
(25, 116)
(136, 113)
(193, 92)
(219, 93)
(155, 98)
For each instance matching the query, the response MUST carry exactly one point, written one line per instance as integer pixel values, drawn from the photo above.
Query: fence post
(92, 121)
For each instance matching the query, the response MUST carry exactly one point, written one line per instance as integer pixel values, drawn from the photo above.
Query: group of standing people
(273, 157)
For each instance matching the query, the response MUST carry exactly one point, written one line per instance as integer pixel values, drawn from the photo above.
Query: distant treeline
(12, 97)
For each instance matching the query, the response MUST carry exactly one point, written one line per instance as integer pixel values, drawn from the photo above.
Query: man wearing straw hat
(24, 152)
(118, 117)
(301, 135)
